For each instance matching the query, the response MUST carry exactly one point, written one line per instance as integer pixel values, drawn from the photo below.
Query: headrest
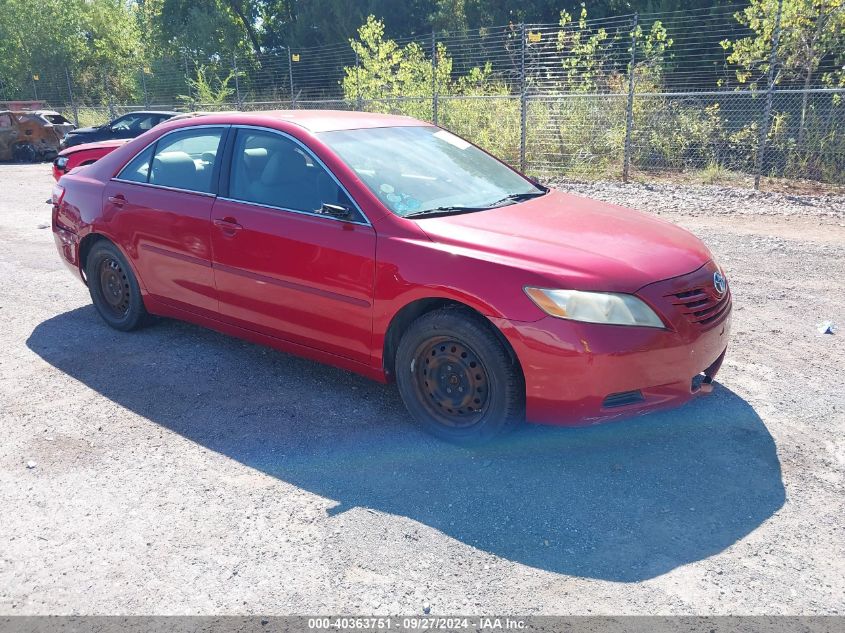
(284, 166)
(173, 169)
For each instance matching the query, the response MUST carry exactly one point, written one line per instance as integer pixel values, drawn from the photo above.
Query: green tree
(387, 69)
(208, 91)
(590, 56)
(811, 30)
(94, 39)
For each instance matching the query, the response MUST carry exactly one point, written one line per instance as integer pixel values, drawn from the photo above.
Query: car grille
(702, 306)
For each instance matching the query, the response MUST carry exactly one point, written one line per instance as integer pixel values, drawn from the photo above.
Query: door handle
(227, 225)
(117, 200)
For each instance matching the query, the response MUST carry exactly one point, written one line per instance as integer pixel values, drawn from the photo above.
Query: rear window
(56, 119)
(180, 160)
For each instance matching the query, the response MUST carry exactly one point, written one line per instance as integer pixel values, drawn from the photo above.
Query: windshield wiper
(444, 211)
(449, 210)
(520, 197)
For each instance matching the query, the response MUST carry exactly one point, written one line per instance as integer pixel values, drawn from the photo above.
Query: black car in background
(127, 126)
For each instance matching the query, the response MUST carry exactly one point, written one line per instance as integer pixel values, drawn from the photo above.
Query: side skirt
(162, 309)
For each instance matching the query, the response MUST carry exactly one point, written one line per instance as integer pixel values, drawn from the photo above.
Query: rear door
(160, 204)
(282, 267)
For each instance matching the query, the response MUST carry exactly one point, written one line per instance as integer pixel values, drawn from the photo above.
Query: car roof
(312, 120)
(171, 112)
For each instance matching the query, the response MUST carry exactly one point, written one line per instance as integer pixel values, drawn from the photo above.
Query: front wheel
(457, 379)
(113, 287)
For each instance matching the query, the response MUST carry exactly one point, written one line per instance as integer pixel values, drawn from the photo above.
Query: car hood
(94, 145)
(85, 130)
(574, 242)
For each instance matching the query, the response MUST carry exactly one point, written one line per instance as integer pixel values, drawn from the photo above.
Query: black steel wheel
(114, 290)
(451, 381)
(114, 286)
(457, 379)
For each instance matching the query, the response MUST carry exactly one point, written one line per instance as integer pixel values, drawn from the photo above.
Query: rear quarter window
(138, 169)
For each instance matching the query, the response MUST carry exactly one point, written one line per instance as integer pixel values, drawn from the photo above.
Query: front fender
(411, 269)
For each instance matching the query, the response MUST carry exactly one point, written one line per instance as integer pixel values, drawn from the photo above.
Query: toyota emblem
(719, 283)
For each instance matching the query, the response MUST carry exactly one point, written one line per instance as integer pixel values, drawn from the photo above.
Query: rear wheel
(457, 379)
(24, 153)
(113, 287)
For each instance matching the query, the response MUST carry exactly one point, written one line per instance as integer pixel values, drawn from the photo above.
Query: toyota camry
(393, 248)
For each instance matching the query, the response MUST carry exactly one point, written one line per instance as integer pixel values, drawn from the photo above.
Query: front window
(272, 170)
(124, 123)
(422, 170)
(135, 122)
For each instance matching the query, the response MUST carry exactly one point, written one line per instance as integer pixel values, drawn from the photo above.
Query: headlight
(61, 162)
(595, 307)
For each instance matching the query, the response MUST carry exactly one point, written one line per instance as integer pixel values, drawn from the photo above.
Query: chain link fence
(632, 94)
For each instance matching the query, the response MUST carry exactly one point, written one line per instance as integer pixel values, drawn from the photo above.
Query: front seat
(288, 182)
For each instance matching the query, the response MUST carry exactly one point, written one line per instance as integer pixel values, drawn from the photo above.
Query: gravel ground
(178, 471)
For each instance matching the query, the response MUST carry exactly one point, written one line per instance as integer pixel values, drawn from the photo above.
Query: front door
(8, 135)
(160, 204)
(281, 266)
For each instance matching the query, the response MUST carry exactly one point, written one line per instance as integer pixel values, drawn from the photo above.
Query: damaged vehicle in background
(27, 137)
(57, 120)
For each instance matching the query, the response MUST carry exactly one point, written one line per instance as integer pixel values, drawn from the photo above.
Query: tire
(457, 379)
(24, 153)
(114, 290)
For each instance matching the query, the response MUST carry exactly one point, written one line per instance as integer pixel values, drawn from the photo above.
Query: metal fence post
(523, 100)
(187, 77)
(433, 78)
(107, 94)
(144, 87)
(767, 109)
(290, 76)
(237, 81)
(358, 101)
(72, 100)
(629, 108)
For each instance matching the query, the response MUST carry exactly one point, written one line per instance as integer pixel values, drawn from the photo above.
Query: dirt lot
(180, 471)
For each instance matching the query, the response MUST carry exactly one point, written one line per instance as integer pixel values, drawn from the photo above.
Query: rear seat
(174, 169)
(177, 169)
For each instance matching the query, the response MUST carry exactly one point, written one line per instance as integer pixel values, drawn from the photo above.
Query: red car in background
(86, 154)
(390, 247)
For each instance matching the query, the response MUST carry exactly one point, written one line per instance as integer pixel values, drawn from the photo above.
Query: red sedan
(390, 247)
(80, 155)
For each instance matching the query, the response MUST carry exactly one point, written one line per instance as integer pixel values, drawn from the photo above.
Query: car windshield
(423, 170)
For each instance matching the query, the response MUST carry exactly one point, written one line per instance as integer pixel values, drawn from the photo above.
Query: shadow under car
(623, 501)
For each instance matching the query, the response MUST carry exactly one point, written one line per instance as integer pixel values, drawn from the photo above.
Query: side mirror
(335, 211)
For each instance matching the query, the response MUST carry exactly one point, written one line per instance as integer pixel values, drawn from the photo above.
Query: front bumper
(581, 373)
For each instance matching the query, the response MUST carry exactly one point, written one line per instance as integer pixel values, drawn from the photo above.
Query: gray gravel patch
(710, 200)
